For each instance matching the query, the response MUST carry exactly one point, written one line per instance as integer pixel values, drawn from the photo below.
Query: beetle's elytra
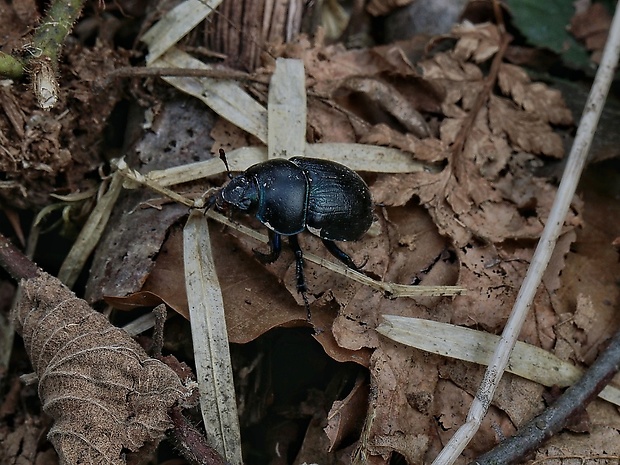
(292, 195)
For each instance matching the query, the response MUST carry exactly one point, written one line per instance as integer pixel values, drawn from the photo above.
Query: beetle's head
(240, 193)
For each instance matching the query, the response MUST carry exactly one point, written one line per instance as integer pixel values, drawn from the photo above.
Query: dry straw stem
(287, 109)
(175, 24)
(540, 428)
(358, 157)
(210, 340)
(528, 361)
(542, 254)
(90, 234)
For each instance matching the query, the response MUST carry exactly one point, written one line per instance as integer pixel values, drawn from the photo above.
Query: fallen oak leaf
(106, 395)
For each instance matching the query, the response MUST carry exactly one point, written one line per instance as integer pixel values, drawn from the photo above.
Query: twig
(556, 416)
(15, 262)
(190, 442)
(482, 98)
(542, 254)
(136, 71)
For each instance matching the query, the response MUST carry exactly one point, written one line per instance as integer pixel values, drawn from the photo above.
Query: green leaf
(544, 24)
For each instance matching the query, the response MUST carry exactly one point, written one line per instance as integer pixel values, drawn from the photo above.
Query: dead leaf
(525, 131)
(104, 393)
(133, 237)
(478, 42)
(344, 420)
(534, 97)
(398, 374)
(455, 404)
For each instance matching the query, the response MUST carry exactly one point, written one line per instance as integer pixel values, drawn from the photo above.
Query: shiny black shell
(324, 197)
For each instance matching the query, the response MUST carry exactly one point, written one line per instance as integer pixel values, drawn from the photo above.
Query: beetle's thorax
(283, 195)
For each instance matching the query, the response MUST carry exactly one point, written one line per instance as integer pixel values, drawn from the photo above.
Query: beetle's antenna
(223, 158)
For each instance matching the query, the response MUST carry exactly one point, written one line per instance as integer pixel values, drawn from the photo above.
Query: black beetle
(291, 195)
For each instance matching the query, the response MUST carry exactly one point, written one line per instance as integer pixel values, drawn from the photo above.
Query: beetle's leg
(299, 271)
(210, 202)
(275, 246)
(299, 263)
(342, 256)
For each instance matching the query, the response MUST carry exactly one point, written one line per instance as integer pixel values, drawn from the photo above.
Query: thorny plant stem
(44, 51)
(51, 34)
(542, 254)
(554, 418)
(10, 66)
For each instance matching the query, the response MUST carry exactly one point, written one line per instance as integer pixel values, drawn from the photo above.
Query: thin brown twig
(558, 415)
(499, 17)
(190, 442)
(137, 71)
(15, 262)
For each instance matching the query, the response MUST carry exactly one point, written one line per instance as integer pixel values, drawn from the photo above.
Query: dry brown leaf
(534, 97)
(388, 99)
(344, 420)
(103, 391)
(429, 150)
(399, 374)
(587, 301)
(478, 42)
(519, 398)
(525, 131)
(601, 441)
(455, 403)
(487, 189)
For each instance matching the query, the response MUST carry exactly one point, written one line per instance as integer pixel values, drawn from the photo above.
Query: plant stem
(51, 34)
(10, 66)
(556, 416)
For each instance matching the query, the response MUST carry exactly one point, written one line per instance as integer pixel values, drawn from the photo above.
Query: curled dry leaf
(389, 99)
(343, 419)
(105, 394)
